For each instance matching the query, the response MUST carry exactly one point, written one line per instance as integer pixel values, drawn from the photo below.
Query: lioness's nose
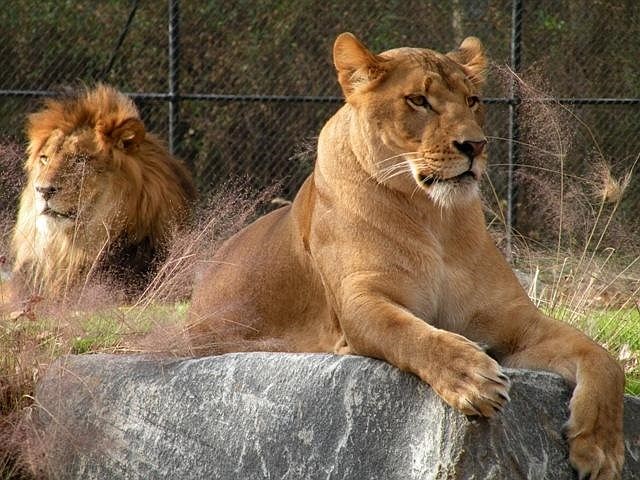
(46, 191)
(470, 148)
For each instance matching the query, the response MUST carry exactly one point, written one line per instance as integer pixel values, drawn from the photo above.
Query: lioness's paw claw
(596, 457)
(472, 382)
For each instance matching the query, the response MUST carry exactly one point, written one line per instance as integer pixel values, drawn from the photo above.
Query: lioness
(384, 253)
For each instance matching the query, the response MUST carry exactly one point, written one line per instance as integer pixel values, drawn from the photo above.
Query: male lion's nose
(47, 191)
(470, 148)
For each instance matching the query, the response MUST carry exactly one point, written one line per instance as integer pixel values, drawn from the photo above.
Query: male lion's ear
(355, 64)
(128, 134)
(471, 57)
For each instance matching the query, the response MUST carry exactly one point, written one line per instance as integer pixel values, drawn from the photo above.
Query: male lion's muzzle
(45, 201)
(46, 191)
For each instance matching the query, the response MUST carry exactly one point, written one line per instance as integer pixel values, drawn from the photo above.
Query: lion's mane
(134, 195)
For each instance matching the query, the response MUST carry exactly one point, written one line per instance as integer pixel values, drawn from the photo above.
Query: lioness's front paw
(597, 454)
(594, 429)
(467, 378)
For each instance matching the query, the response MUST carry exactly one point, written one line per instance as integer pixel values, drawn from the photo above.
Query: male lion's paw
(596, 455)
(468, 379)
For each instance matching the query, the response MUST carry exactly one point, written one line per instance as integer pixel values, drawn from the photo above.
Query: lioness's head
(420, 112)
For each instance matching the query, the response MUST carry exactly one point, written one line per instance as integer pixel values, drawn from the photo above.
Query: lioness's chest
(415, 260)
(441, 293)
(422, 274)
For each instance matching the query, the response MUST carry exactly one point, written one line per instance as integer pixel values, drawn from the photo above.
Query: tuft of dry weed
(579, 254)
(11, 182)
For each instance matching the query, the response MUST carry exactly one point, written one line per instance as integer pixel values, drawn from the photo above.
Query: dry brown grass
(580, 255)
(35, 335)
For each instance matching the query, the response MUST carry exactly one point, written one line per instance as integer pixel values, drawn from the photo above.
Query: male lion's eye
(473, 101)
(418, 101)
(44, 159)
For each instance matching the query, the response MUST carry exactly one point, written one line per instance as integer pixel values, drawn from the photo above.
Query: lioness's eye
(43, 159)
(473, 101)
(418, 101)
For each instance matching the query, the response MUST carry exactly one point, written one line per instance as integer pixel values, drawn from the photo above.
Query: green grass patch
(28, 344)
(621, 327)
(632, 386)
(618, 330)
(100, 331)
(107, 330)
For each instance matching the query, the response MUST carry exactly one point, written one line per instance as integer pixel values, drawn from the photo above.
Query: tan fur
(384, 253)
(123, 193)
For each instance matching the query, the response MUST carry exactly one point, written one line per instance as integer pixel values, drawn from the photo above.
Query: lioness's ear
(127, 135)
(471, 57)
(355, 64)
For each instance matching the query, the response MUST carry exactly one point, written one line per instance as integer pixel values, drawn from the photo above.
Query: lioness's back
(257, 285)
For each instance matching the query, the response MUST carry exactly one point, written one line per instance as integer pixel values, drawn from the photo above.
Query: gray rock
(287, 416)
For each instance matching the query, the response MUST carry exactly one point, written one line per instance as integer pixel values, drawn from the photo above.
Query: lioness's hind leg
(594, 429)
(342, 347)
(222, 332)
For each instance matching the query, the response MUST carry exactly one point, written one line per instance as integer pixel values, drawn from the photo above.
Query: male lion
(384, 253)
(103, 196)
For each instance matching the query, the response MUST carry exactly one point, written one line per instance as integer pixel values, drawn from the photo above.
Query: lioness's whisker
(526, 144)
(389, 177)
(543, 169)
(395, 167)
(416, 189)
(397, 156)
(393, 171)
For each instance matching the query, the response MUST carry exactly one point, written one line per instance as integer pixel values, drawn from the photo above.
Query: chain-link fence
(242, 88)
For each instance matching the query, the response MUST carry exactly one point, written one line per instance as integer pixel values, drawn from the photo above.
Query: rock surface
(287, 416)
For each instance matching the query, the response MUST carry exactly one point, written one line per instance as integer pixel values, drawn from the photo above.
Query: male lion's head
(100, 190)
(73, 173)
(420, 112)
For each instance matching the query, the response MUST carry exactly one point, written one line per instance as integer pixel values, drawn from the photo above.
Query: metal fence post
(174, 79)
(514, 133)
